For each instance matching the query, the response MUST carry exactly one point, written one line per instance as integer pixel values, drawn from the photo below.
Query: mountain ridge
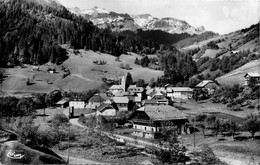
(119, 21)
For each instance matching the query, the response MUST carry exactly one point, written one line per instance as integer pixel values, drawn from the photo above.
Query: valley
(84, 74)
(92, 85)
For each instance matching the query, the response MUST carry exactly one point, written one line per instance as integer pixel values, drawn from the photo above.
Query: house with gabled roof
(148, 121)
(106, 110)
(251, 75)
(121, 102)
(63, 103)
(77, 104)
(162, 101)
(136, 90)
(116, 88)
(96, 100)
(179, 92)
(208, 86)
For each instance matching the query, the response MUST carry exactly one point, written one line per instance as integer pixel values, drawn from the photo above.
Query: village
(145, 107)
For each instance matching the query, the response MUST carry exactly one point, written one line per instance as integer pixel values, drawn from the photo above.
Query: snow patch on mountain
(101, 17)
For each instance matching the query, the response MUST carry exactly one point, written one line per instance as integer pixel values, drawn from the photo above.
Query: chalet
(106, 110)
(150, 92)
(51, 70)
(136, 90)
(208, 86)
(148, 121)
(77, 104)
(63, 103)
(96, 100)
(126, 94)
(121, 102)
(116, 88)
(255, 76)
(35, 68)
(179, 92)
(156, 95)
(163, 101)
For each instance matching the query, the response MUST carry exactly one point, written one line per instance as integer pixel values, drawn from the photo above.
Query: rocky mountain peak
(101, 17)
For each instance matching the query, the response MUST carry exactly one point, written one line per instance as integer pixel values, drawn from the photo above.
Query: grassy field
(206, 106)
(85, 74)
(232, 152)
(237, 76)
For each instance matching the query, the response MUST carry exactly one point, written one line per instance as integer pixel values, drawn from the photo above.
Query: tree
(127, 67)
(252, 83)
(145, 61)
(130, 105)
(128, 80)
(252, 124)
(58, 122)
(213, 123)
(152, 82)
(169, 151)
(140, 83)
(233, 127)
(200, 122)
(53, 97)
(26, 107)
(216, 127)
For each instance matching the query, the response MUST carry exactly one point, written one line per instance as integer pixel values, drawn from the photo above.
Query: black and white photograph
(130, 82)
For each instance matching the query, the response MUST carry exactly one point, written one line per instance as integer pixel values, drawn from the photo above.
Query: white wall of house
(180, 95)
(145, 128)
(77, 104)
(144, 131)
(139, 94)
(114, 91)
(107, 112)
(93, 105)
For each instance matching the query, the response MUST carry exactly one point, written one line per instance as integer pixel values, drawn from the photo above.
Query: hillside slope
(237, 76)
(228, 44)
(227, 54)
(84, 75)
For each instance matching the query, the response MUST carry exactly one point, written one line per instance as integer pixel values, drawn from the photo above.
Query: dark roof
(103, 106)
(97, 98)
(203, 83)
(252, 74)
(179, 89)
(63, 101)
(104, 96)
(163, 112)
(121, 100)
(154, 101)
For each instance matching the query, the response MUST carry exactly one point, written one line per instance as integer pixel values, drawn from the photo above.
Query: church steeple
(123, 83)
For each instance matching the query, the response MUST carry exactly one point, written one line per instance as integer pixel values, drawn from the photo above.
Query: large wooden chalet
(148, 120)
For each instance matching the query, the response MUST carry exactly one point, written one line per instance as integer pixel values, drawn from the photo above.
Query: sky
(221, 16)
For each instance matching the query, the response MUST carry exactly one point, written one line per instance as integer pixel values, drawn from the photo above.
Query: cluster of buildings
(153, 105)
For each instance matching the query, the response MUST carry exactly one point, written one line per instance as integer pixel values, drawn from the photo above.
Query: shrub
(127, 67)
(122, 66)
(252, 124)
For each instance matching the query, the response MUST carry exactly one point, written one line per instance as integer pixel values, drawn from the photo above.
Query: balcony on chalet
(142, 121)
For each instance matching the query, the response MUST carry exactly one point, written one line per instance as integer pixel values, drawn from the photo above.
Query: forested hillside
(159, 36)
(195, 39)
(31, 32)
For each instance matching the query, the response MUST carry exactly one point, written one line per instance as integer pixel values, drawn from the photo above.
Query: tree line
(32, 33)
